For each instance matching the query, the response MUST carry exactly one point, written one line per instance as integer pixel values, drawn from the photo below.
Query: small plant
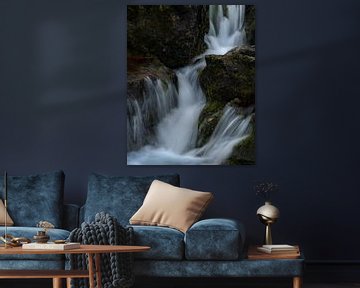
(264, 189)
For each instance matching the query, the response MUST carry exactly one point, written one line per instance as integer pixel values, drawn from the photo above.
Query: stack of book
(282, 251)
(279, 249)
(51, 246)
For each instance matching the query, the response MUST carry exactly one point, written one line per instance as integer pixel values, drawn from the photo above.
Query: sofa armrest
(215, 239)
(71, 216)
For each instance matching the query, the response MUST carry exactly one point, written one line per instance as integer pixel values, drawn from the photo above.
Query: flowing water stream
(176, 110)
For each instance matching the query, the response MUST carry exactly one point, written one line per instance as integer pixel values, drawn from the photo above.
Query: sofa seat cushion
(119, 196)
(29, 232)
(166, 243)
(35, 198)
(214, 239)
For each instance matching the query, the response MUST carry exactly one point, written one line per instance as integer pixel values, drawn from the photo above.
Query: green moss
(208, 120)
(230, 76)
(244, 152)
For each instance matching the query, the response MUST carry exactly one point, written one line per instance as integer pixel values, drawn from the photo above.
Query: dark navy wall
(63, 95)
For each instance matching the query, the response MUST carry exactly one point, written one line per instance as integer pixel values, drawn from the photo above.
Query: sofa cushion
(170, 206)
(214, 239)
(35, 198)
(119, 196)
(165, 243)
(9, 221)
(29, 232)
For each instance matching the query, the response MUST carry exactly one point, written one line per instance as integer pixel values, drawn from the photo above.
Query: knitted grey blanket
(116, 268)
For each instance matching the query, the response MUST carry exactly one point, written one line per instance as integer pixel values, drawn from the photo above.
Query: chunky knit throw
(116, 268)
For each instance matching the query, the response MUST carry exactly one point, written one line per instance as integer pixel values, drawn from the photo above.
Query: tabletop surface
(92, 249)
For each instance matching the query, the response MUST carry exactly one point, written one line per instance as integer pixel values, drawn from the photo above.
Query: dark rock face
(173, 33)
(230, 76)
(250, 24)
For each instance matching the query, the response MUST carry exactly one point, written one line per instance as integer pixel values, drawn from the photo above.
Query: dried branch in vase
(264, 189)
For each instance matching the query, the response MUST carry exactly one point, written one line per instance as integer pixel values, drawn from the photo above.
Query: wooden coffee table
(92, 251)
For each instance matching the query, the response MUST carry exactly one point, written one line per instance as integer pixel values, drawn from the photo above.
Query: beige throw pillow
(170, 206)
(9, 221)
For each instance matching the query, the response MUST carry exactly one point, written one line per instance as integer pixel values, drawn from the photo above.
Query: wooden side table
(254, 254)
(93, 251)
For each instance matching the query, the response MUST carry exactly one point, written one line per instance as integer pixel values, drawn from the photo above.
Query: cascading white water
(159, 99)
(175, 134)
(178, 130)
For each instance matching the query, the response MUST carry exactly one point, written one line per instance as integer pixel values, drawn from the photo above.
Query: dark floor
(242, 284)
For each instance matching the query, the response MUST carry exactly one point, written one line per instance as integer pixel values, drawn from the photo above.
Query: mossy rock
(173, 33)
(230, 76)
(244, 153)
(208, 120)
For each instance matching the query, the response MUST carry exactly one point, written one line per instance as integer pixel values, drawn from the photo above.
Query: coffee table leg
(91, 270)
(57, 283)
(68, 282)
(297, 282)
(98, 270)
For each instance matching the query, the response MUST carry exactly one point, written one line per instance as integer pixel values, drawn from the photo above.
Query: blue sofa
(32, 199)
(210, 248)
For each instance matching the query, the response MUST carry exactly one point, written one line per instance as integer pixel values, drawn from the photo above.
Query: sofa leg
(57, 283)
(297, 282)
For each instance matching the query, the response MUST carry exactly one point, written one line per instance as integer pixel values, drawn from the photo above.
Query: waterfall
(226, 29)
(174, 112)
(159, 99)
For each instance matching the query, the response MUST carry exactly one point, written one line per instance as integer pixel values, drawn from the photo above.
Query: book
(255, 254)
(278, 249)
(51, 246)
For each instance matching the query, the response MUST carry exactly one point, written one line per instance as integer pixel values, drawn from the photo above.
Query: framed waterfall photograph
(191, 85)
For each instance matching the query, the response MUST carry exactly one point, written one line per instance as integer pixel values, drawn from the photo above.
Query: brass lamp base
(268, 238)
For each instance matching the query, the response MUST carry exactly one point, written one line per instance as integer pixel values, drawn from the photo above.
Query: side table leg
(98, 270)
(57, 283)
(91, 270)
(297, 282)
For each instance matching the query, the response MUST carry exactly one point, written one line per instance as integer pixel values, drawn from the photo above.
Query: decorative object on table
(41, 236)
(268, 213)
(11, 241)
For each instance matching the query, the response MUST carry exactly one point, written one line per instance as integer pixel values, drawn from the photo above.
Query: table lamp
(268, 214)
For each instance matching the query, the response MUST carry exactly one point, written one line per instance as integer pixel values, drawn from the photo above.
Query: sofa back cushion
(35, 198)
(120, 196)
